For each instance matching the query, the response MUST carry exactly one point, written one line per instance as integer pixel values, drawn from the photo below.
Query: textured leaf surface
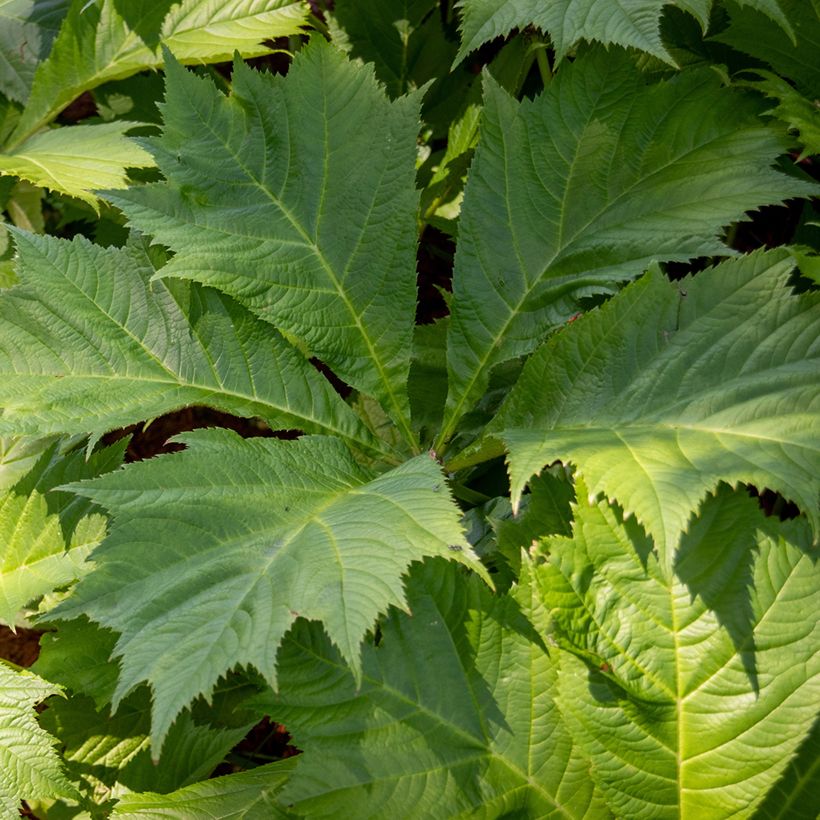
(78, 160)
(278, 196)
(109, 40)
(28, 761)
(88, 344)
(214, 552)
(586, 185)
(668, 389)
(246, 796)
(625, 23)
(34, 557)
(699, 685)
(479, 738)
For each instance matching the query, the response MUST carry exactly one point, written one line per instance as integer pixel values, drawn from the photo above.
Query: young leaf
(626, 22)
(88, 344)
(111, 39)
(699, 685)
(78, 160)
(280, 196)
(668, 389)
(243, 796)
(586, 185)
(455, 715)
(214, 552)
(28, 761)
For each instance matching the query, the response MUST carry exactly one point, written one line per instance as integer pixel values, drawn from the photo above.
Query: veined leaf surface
(112, 39)
(670, 388)
(88, 344)
(28, 760)
(296, 196)
(245, 796)
(584, 186)
(700, 683)
(78, 160)
(214, 553)
(634, 23)
(480, 737)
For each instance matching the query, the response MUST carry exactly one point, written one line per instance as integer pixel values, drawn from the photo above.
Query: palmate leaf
(245, 796)
(668, 389)
(78, 160)
(586, 185)
(113, 39)
(29, 763)
(699, 684)
(88, 344)
(455, 716)
(280, 196)
(626, 23)
(214, 553)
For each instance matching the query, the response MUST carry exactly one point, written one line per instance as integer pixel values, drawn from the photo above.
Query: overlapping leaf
(296, 196)
(626, 23)
(245, 796)
(79, 160)
(112, 39)
(455, 716)
(699, 684)
(214, 553)
(666, 390)
(586, 185)
(87, 344)
(28, 761)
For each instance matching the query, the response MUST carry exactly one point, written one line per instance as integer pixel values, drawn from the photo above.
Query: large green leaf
(79, 160)
(626, 22)
(112, 39)
(28, 761)
(88, 344)
(245, 796)
(455, 716)
(690, 689)
(587, 184)
(214, 553)
(670, 388)
(281, 197)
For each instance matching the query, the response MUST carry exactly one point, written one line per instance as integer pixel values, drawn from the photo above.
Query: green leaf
(323, 242)
(795, 795)
(403, 39)
(111, 39)
(454, 717)
(27, 29)
(689, 691)
(794, 58)
(78, 160)
(289, 529)
(670, 388)
(29, 763)
(585, 186)
(88, 344)
(249, 795)
(34, 557)
(633, 23)
(109, 754)
(18, 454)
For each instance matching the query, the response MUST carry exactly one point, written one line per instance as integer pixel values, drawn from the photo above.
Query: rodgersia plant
(518, 570)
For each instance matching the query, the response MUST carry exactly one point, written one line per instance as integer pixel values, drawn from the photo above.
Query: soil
(21, 648)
